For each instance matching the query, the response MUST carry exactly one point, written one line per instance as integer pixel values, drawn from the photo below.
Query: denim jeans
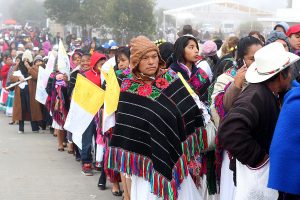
(87, 139)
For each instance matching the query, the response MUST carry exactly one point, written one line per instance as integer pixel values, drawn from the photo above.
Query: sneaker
(21, 132)
(36, 131)
(87, 170)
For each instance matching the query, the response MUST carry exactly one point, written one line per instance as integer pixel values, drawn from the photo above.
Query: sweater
(285, 148)
(4, 72)
(247, 130)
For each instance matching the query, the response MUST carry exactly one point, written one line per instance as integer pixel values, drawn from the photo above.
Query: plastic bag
(252, 183)
(211, 131)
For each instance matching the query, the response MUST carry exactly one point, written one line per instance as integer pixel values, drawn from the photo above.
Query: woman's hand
(27, 65)
(65, 78)
(21, 79)
(239, 79)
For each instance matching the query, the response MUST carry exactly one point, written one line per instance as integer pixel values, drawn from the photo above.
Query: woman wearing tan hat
(155, 134)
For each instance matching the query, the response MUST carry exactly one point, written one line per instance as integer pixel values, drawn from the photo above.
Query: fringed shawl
(155, 133)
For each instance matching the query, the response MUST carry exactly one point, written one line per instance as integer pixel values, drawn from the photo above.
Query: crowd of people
(194, 120)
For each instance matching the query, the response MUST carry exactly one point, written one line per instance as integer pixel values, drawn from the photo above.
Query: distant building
(290, 15)
(216, 16)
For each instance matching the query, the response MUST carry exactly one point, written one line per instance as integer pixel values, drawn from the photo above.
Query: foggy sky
(170, 4)
(266, 4)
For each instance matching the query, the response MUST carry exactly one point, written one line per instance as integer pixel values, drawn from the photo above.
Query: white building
(289, 15)
(216, 14)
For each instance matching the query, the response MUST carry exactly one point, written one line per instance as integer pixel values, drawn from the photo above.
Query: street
(31, 168)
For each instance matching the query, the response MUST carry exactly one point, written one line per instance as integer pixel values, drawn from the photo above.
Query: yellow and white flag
(86, 101)
(111, 99)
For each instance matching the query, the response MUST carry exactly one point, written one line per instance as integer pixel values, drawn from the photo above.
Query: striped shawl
(155, 133)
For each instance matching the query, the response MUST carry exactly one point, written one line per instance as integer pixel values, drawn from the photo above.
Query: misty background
(262, 4)
(171, 4)
(113, 19)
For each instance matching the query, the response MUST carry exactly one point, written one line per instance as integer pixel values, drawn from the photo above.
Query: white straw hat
(269, 61)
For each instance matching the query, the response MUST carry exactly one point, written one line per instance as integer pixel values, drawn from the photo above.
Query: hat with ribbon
(269, 61)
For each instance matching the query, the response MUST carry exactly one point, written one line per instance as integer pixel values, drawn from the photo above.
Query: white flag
(63, 62)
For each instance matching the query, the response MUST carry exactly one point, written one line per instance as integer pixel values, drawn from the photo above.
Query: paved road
(31, 168)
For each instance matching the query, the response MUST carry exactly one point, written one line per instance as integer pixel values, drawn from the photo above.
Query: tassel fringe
(141, 166)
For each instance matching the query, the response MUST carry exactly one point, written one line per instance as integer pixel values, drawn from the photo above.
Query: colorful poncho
(155, 133)
(58, 102)
(197, 79)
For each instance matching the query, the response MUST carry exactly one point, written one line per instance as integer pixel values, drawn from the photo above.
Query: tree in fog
(27, 11)
(84, 13)
(62, 11)
(129, 18)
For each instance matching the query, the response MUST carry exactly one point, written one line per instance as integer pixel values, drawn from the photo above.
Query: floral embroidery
(125, 85)
(126, 71)
(203, 74)
(231, 72)
(144, 90)
(122, 74)
(170, 76)
(155, 93)
(219, 102)
(162, 83)
(151, 91)
(195, 82)
(134, 86)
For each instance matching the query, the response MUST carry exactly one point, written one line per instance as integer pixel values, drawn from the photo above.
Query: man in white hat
(247, 130)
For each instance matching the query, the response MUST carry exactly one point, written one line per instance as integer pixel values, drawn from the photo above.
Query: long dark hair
(228, 61)
(244, 44)
(166, 49)
(22, 66)
(122, 50)
(179, 46)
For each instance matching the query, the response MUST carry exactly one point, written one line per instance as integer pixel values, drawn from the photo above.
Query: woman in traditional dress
(186, 55)
(185, 58)
(122, 63)
(155, 137)
(58, 104)
(227, 88)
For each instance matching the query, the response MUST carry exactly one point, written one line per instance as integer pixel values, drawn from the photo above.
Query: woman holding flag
(25, 106)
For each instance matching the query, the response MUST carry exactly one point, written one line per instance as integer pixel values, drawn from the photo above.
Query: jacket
(247, 130)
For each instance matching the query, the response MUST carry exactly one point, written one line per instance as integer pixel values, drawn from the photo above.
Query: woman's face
(123, 62)
(18, 60)
(85, 63)
(76, 59)
(39, 63)
(13, 45)
(249, 57)
(149, 63)
(100, 63)
(191, 52)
